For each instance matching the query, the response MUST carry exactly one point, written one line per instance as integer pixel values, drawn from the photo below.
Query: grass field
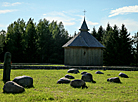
(46, 89)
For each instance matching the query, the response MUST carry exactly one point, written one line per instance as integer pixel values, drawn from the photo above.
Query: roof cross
(84, 12)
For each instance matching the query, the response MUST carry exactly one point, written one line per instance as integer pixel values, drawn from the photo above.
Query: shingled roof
(84, 39)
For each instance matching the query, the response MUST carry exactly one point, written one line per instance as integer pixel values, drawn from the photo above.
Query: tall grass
(46, 89)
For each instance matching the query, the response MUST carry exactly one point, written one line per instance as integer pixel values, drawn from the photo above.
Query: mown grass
(46, 89)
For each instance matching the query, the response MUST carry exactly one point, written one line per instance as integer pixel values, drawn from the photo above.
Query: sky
(71, 13)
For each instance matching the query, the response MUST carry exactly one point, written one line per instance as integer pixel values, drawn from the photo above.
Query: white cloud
(131, 25)
(6, 11)
(1, 25)
(60, 16)
(61, 19)
(124, 10)
(10, 4)
(92, 23)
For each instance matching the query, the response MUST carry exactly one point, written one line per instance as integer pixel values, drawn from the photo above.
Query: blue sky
(70, 12)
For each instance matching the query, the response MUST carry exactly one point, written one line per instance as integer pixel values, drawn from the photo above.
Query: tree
(2, 44)
(111, 51)
(135, 49)
(118, 47)
(125, 45)
(31, 39)
(44, 40)
(100, 34)
(75, 33)
(106, 34)
(30, 43)
(60, 37)
(15, 40)
(94, 33)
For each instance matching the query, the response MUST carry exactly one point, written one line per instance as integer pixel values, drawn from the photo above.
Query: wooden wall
(83, 56)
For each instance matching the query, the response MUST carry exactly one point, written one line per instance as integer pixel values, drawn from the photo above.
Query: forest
(29, 42)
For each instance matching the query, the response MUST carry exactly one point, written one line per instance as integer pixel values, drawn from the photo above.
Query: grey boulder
(77, 83)
(69, 76)
(123, 75)
(99, 72)
(25, 81)
(114, 79)
(63, 80)
(12, 87)
(83, 73)
(73, 70)
(87, 77)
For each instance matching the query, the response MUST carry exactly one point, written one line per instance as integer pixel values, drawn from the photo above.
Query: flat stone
(12, 87)
(114, 79)
(99, 72)
(123, 75)
(83, 73)
(73, 70)
(69, 76)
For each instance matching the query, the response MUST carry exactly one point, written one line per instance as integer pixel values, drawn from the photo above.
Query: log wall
(83, 56)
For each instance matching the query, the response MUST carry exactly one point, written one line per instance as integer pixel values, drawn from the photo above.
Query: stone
(12, 87)
(75, 71)
(63, 81)
(123, 75)
(25, 81)
(114, 79)
(69, 76)
(87, 77)
(7, 67)
(83, 73)
(77, 83)
(99, 72)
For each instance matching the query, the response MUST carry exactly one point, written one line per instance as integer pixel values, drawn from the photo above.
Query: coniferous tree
(75, 33)
(2, 44)
(111, 51)
(100, 34)
(125, 45)
(31, 39)
(135, 49)
(44, 40)
(15, 40)
(106, 34)
(94, 33)
(60, 37)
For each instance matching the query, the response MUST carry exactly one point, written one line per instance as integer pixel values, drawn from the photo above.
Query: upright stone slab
(12, 87)
(7, 66)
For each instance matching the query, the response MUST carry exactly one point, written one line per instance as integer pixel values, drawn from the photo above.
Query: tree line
(29, 42)
(121, 49)
(34, 43)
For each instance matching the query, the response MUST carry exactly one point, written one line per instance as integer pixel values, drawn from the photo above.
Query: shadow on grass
(14, 93)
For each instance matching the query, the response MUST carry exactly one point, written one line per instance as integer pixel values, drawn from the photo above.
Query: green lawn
(46, 89)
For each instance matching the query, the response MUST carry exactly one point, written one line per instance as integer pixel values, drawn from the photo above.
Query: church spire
(84, 26)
